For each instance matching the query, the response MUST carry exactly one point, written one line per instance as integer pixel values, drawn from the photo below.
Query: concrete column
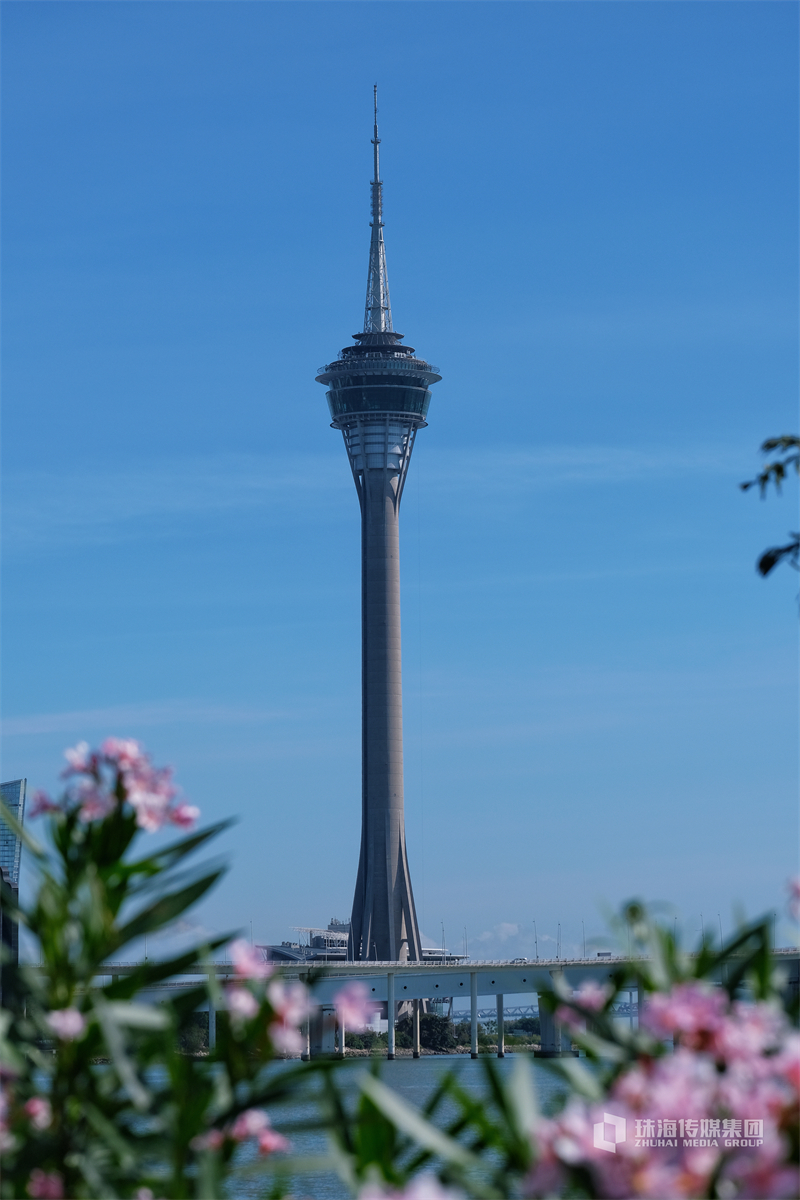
(551, 1033)
(322, 1041)
(416, 1029)
(341, 1038)
(390, 1012)
(212, 1025)
(384, 922)
(501, 1029)
(306, 1055)
(473, 1012)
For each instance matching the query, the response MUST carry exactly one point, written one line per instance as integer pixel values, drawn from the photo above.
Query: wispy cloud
(500, 933)
(156, 498)
(659, 325)
(159, 499)
(126, 716)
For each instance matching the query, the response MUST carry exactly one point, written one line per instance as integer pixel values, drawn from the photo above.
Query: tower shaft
(384, 921)
(378, 398)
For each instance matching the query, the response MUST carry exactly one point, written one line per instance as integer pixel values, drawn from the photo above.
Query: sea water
(414, 1080)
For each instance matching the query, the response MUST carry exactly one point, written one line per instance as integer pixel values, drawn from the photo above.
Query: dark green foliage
(776, 472)
(128, 1101)
(522, 1025)
(193, 1034)
(435, 1033)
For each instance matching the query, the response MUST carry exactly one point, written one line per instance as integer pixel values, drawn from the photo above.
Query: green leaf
(138, 1016)
(581, 1080)
(410, 1121)
(167, 908)
(172, 854)
(522, 1095)
(138, 1093)
(149, 973)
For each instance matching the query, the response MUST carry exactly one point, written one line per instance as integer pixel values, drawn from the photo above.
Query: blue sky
(591, 226)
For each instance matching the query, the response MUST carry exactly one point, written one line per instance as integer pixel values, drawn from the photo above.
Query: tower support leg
(416, 1029)
(390, 1013)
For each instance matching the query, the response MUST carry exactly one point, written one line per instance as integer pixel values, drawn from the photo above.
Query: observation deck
(378, 375)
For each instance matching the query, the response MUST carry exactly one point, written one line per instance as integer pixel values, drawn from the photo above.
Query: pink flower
(80, 760)
(149, 790)
(270, 1140)
(125, 753)
(241, 1002)
(787, 1062)
(212, 1140)
(691, 1012)
(248, 1124)
(254, 1123)
(45, 1185)
(41, 804)
(144, 1193)
(248, 962)
(794, 896)
(591, 995)
(67, 1023)
(286, 1038)
(291, 1002)
(292, 1005)
(95, 802)
(184, 815)
(750, 1031)
(39, 1111)
(354, 1006)
(151, 807)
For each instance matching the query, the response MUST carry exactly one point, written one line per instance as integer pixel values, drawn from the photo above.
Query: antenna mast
(378, 308)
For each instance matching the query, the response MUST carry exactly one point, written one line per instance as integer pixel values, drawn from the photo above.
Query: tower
(378, 395)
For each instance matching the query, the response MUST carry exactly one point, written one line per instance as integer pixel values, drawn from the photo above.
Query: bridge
(408, 983)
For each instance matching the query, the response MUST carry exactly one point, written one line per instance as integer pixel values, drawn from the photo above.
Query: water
(414, 1080)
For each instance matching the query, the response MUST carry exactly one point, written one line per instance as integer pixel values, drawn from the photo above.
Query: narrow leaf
(167, 908)
(138, 1016)
(409, 1120)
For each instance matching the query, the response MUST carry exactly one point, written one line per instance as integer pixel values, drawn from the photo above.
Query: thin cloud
(159, 499)
(123, 716)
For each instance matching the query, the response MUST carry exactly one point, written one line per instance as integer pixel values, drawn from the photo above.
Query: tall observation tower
(378, 394)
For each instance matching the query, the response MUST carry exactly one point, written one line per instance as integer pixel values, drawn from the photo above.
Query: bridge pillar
(342, 1036)
(415, 1051)
(390, 1013)
(322, 1036)
(212, 1025)
(306, 1055)
(473, 1013)
(551, 1034)
(501, 1028)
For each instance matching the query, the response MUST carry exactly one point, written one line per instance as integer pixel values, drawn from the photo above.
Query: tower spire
(378, 309)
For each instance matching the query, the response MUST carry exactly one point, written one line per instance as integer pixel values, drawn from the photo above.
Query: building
(378, 395)
(313, 945)
(331, 945)
(13, 797)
